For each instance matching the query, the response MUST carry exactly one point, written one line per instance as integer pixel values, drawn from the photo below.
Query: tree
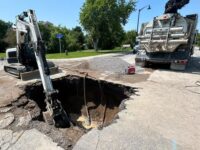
(103, 20)
(198, 39)
(54, 42)
(4, 26)
(78, 37)
(88, 42)
(130, 38)
(45, 29)
(72, 39)
(10, 38)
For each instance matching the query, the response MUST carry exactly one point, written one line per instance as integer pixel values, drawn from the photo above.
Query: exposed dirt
(103, 101)
(8, 90)
(169, 115)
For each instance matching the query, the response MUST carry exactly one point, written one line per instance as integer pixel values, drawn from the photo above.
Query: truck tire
(178, 67)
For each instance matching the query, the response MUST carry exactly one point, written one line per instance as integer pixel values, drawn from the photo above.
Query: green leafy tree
(45, 29)
(4, 26)
(79, 35)
(103, 20)
(88, 42)
(72, 39)
(76, 39)
(10, 38)
(53, 46)
(198, 39)
(130, 38)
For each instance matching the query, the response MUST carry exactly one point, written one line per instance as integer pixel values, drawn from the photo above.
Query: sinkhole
(84, 99)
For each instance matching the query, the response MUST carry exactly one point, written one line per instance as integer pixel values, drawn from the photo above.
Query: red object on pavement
(131, 69)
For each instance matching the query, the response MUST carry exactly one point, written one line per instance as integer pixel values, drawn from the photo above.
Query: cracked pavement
(163, 115)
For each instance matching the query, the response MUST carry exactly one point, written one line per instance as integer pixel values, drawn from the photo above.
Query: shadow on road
(156, 66)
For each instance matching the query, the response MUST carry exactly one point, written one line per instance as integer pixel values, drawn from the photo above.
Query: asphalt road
(163, 115)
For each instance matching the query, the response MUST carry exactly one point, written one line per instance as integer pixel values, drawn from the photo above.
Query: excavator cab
(11, 55)
(25, 51)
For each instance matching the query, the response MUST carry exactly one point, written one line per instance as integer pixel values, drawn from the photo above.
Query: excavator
(28, 57)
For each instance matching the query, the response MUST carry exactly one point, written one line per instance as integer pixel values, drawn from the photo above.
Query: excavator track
(13, 71)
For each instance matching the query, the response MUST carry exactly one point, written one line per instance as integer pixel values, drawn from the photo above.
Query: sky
(66, 12)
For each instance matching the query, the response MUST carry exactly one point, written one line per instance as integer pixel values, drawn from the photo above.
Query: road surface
(164, 113)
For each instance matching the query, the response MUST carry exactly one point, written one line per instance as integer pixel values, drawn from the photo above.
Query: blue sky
(66, 12)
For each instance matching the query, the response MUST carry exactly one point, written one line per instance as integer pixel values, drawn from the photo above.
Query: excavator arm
(31, 53)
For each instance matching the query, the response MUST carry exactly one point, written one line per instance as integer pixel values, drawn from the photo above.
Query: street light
(149, 7)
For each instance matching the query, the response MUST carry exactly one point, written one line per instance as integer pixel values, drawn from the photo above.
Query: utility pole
(138, 21)
(60, 45)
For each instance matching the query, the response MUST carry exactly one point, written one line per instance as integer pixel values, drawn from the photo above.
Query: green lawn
(79, 54)
(2, 55)
(73, 54)
(84, 53)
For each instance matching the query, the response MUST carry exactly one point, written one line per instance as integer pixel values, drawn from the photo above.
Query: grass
(84, 53)
(79, 54)
(2, 55)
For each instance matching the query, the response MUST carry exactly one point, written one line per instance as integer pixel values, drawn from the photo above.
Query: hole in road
(103, 99)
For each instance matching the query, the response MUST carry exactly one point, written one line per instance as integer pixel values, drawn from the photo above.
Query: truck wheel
(179, 67)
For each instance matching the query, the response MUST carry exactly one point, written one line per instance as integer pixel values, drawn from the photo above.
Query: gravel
(111, 64)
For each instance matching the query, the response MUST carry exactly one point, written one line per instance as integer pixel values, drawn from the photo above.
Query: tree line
(198, 40)
(102, 22)
(73, 39)
(5, 31)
